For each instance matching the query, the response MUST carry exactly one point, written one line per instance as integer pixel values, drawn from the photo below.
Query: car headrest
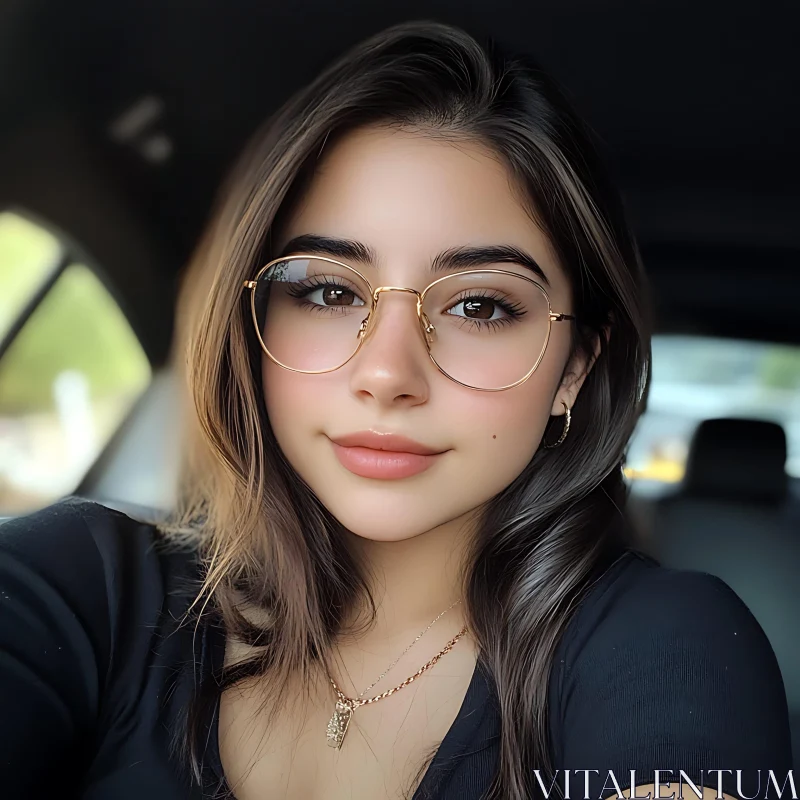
(737, 459)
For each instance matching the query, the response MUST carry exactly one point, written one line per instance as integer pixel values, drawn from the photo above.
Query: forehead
(410, 195)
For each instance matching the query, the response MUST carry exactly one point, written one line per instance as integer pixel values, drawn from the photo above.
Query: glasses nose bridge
(369, 324)
(382, 289)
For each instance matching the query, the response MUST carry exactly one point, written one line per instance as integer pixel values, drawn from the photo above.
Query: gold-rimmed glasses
(486, 329)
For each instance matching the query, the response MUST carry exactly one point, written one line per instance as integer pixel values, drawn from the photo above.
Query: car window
(28, 253)
(697, 378)
(70, 367)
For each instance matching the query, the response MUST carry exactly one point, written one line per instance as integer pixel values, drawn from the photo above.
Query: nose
(393, 365)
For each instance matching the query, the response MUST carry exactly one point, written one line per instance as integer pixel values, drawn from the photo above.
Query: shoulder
(638, 598)
(78, 538)
(90, 649)
(98, 561)
(73, 522)
(660, 661)
(637, 607)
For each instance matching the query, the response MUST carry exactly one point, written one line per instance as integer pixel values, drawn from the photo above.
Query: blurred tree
(780, 368)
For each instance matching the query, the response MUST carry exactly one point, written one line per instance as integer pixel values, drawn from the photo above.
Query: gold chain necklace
(345, 706)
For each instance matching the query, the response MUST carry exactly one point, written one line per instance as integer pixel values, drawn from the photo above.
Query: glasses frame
(426, 327)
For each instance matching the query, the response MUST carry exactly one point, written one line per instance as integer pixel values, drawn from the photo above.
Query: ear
(575, 372)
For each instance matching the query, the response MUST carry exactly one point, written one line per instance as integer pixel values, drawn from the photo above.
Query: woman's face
(409, 197)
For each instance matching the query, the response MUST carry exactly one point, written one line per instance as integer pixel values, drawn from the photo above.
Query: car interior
(120, 120)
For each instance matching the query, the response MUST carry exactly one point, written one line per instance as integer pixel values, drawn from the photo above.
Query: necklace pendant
(339, 722)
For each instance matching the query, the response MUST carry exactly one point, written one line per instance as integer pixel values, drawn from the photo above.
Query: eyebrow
(448, 260)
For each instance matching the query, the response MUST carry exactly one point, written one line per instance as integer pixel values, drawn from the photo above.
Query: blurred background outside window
(698, 378)
(70, 366)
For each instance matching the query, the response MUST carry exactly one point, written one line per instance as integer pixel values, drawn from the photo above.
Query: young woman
(417, 346)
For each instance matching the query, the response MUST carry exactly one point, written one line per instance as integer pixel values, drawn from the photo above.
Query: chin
(376, 533)
(382, 520)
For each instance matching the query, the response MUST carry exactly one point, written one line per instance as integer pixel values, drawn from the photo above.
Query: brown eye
(337, 296)
(479, 308)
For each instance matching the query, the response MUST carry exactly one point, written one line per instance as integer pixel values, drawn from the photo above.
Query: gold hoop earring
(567, 421)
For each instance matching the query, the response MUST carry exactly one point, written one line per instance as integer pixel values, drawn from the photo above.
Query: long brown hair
(267, 542)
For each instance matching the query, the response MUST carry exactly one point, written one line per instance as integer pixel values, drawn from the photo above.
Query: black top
(658, 669)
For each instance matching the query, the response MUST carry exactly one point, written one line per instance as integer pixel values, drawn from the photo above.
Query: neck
(414, 580)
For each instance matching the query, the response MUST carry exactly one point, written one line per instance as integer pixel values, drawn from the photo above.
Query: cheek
(500, 432)
(291, 403)
(506, 428)
(516, 416)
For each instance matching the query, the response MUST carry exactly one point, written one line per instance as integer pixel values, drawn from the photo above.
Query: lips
(385, 441)
(383, 456)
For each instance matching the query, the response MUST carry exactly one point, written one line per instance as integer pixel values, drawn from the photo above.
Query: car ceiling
(695, 104)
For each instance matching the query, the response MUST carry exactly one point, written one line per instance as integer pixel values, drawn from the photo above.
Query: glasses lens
(490, 329)
(309, 311)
